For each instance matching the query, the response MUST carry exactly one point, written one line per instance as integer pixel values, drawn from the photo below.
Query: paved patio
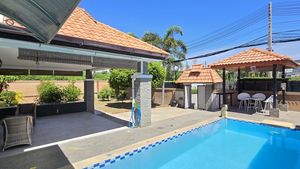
(290, 117)
(67, 154)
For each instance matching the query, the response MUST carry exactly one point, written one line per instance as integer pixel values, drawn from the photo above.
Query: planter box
(60, 108)
(7, 111)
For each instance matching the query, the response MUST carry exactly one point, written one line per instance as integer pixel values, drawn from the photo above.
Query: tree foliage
(169, 43)
(158, 72)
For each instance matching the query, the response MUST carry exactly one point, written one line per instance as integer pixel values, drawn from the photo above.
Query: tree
(5, 80)
(158, 72)
(171, 44)
(120, 79)
(132, 34)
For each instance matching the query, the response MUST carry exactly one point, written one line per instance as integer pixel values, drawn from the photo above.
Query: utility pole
(270, 39)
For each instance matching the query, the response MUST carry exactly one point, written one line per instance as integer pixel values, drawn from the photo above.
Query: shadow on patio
(56, 128)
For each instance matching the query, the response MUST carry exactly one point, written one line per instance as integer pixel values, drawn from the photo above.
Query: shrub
(49, 93)
(120, 79)
(122, 96)
(10, 98)
(71, 93)
(105, 94)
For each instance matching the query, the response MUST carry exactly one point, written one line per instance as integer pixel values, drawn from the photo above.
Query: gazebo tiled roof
(255, 57)
(199, 74)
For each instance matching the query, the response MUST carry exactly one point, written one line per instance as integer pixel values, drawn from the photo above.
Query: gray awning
(42, 17)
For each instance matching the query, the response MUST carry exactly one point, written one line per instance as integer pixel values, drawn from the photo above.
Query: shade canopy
(257, 58)
(43, 18)
(199, 74)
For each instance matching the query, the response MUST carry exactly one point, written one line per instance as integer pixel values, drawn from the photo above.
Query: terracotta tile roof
(255, 57)
(82, 25)
(199, 74)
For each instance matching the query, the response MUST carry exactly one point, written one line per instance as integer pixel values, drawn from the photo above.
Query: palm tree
(171, 44)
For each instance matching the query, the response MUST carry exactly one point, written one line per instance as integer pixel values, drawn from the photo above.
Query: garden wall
(28, 88)
(170, 94)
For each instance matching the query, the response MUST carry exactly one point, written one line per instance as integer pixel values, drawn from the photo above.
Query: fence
(267, 85)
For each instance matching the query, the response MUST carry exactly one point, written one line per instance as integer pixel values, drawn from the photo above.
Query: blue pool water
(226, 144)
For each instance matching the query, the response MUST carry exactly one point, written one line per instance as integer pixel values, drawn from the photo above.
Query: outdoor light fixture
(253, 68)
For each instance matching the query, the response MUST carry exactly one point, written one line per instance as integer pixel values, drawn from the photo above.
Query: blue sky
(197, 18)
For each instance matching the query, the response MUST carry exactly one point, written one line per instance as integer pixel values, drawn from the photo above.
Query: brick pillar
(89, 92)
(142, 93)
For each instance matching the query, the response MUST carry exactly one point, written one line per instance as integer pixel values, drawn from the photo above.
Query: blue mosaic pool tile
(128, 154)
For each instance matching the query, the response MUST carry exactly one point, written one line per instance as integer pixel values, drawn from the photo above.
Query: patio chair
(27, 109)
(243, 99)
(258, 98)
(17, 131)
(268, 104)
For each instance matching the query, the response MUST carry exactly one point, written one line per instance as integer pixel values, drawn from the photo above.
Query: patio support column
(142, 93)
(283, 80)
(274, 85)
(187, 96)
(238, 81)
(89, 92)
(224, 87)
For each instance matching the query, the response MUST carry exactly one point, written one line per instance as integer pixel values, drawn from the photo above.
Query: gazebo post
(224, 87)
(283, 79)
(274, 85)
(238, 80)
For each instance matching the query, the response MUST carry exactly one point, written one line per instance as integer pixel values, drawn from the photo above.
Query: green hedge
(49, 92)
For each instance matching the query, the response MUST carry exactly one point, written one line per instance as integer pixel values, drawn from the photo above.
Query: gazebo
(206, 78)
(257, 59)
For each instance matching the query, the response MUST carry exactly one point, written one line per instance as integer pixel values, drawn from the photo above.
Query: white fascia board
(4, 42)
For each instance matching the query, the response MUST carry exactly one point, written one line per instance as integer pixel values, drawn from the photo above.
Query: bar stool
(258, 99)
(243, 99)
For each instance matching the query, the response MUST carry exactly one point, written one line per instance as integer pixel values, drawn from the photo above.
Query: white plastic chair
(268, 103)
(258, 98)
(243, 98)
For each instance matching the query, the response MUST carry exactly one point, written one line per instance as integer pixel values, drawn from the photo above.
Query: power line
(280, 9)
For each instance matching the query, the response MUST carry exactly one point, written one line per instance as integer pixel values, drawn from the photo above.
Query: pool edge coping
(120, 153)
(268, 122)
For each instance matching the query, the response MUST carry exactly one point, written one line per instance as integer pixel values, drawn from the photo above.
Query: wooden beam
(239, 80)
(224, 87)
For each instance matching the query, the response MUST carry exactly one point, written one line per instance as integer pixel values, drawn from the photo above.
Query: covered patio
(81, 46)
(263, 61)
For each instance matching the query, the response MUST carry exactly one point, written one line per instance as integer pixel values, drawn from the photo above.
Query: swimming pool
(225, 144)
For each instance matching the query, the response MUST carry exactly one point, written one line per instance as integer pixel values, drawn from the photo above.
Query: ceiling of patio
(41, 17)
(20, 58)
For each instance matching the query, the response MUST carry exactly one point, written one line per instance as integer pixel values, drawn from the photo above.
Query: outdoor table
(256, 100)
(226, 93)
